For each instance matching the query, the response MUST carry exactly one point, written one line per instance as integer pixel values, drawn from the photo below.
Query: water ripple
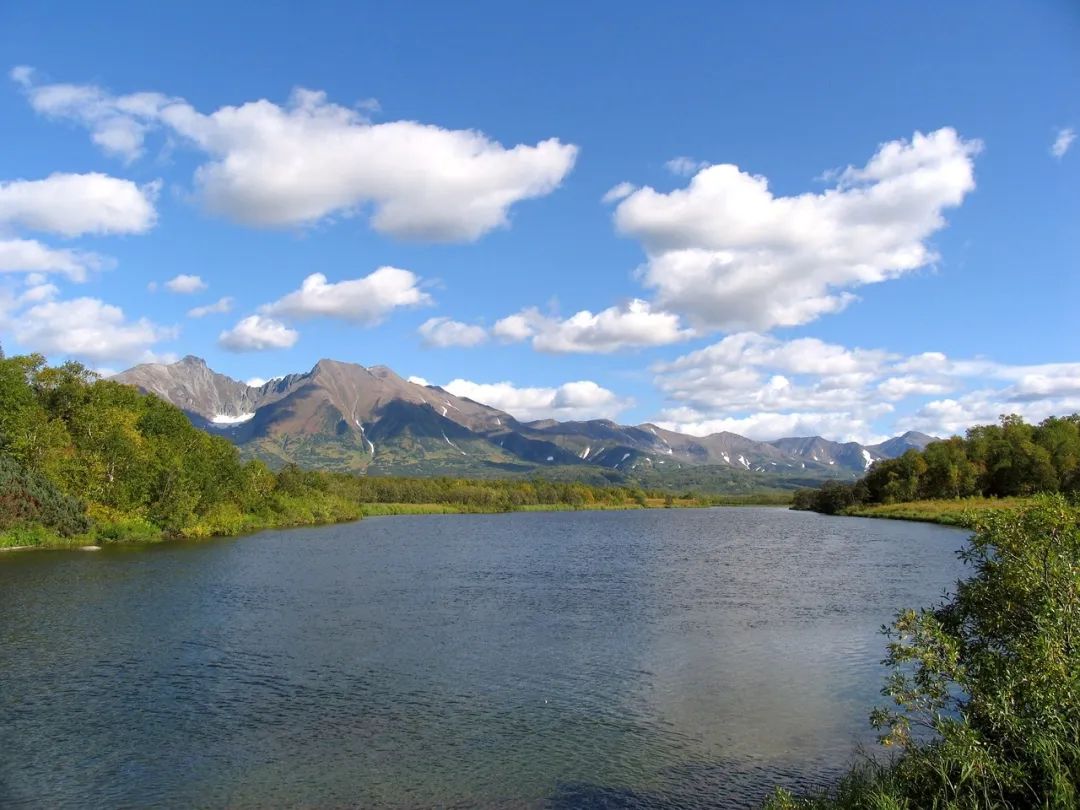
(690, 658)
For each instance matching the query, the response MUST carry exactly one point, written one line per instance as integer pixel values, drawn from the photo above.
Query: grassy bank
(964, 512)
(109, 528)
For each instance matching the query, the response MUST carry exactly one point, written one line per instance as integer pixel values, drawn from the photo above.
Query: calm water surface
(667, 658)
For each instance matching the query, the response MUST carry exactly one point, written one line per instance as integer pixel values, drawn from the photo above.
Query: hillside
(346, 417)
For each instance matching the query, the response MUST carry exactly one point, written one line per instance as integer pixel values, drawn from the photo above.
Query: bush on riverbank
(30, 504)
(985, 688)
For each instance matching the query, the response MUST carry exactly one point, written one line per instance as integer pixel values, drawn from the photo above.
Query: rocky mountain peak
(345, 416)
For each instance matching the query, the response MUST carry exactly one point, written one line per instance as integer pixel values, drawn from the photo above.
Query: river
(660, 658)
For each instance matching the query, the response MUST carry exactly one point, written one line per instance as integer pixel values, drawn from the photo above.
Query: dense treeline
(491, 495)
(1012, 458)
(83, 456)
(984, 688)
(98, 461)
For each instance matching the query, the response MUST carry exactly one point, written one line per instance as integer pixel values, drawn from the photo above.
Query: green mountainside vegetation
(85, 461)
(991, 462)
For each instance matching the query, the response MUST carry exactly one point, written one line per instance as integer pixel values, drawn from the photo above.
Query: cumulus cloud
(87, 329)
(769, 426)
(1033, 391)
(766, 388)
(270, 165)
(185, 284)
(418, 380)
(257, 333)
(78, 204)
(68, 205)
(31, 256)
(1062, 142)
(633, 325)
(444, 332)
(219, 307)
(952, 416)
(365, 301)
(582, 399)
(731, 255)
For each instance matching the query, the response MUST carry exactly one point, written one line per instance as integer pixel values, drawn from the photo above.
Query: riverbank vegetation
(984, 688)
(85, 461)
(964, 512)
(985, 470)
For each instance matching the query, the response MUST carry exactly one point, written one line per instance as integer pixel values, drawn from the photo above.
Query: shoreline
(371, 510)
(961, 513)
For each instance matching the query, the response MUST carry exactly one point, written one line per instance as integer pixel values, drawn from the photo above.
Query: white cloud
(366, 300)
(765, 388)
(256, 333)
(684, 166)
(68, 205)
(1062, 142)
(117, 125)
(444, 332)
(418, 380)
(89, 329)
(185, 284)
(31, 256)
(953, 416)
(582, 399)
(77, 204)
(802, 355)
(619, 192)
(895, 388)
(631, 326)
(771, 426)
(38, 291)
(219, 307)
(271, 166)
(730, 255)
(515, 328)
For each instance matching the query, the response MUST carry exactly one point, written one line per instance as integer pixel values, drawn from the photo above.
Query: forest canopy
(1008, 459)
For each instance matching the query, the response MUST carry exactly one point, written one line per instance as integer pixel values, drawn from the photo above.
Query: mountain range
(344, 416)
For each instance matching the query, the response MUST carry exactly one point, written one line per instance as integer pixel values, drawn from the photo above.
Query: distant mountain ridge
(345, 416)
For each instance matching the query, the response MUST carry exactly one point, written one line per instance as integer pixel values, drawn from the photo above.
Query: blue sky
(846, 219)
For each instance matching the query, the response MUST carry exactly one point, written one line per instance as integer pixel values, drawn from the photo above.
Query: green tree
(949, 473)
(1060, 437)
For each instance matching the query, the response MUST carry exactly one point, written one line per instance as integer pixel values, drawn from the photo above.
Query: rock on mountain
(345, 416)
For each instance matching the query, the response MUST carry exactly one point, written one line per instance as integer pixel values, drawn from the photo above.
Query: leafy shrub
(28, 498)
(986, 688)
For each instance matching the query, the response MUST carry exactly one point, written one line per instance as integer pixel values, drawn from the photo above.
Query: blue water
(663, 658)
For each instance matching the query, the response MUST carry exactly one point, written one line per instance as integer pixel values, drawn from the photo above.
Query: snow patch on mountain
(227, 420)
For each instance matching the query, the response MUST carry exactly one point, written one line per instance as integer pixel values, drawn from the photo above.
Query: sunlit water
(665, 658)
